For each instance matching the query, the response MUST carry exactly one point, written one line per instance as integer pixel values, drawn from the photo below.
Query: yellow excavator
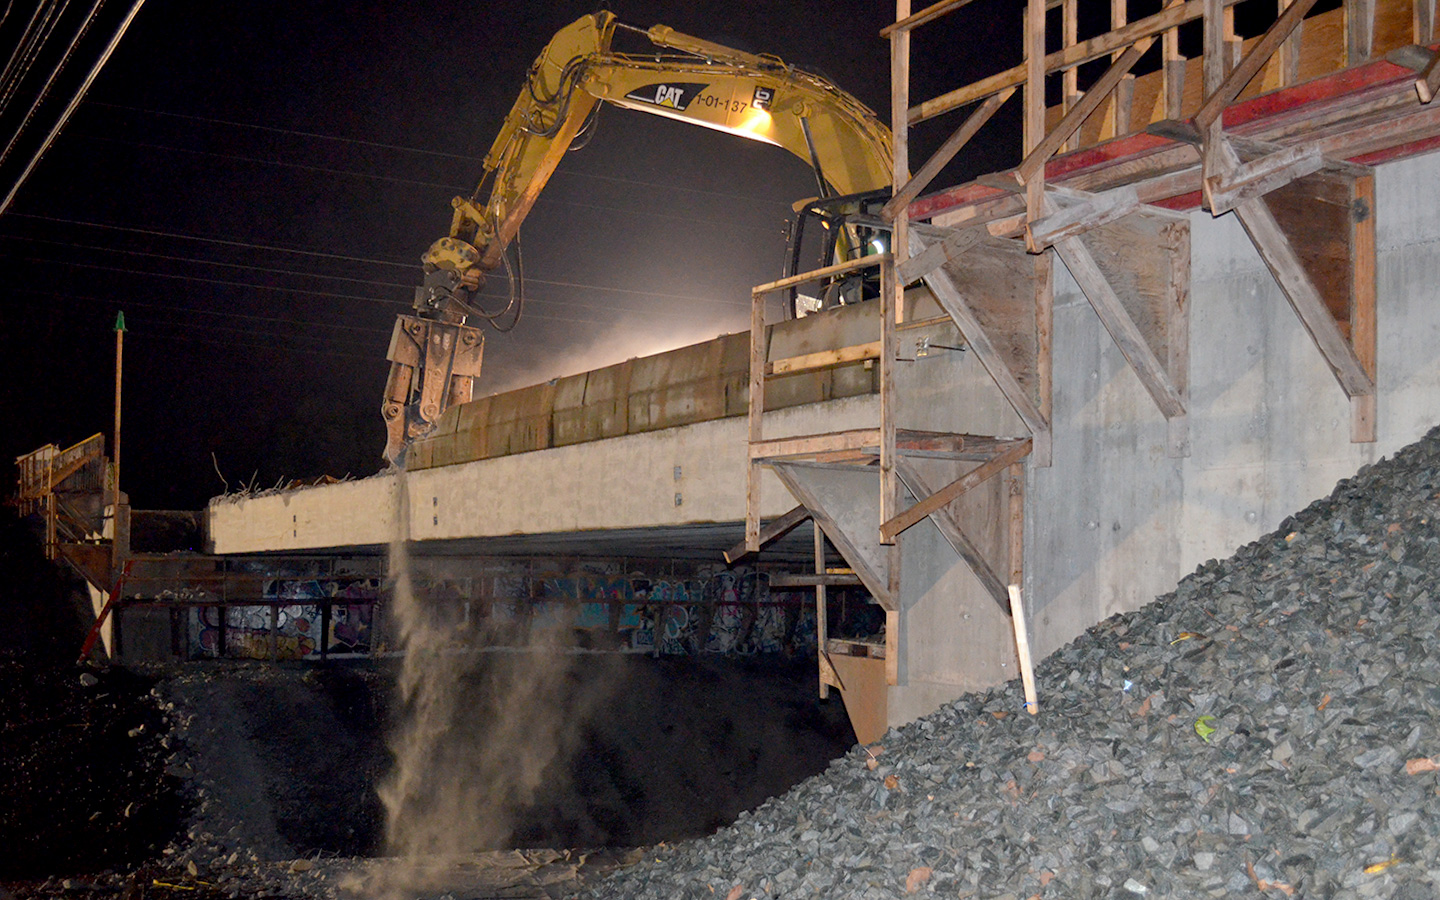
(435, 356)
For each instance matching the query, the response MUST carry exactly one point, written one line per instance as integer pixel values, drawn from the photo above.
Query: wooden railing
(1120, 101)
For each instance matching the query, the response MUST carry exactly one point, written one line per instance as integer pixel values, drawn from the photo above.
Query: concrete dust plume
(478, 733)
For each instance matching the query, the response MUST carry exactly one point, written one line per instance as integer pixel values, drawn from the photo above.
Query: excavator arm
(434, 355)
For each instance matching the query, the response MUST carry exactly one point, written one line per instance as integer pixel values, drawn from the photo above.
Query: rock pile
(1271, 727)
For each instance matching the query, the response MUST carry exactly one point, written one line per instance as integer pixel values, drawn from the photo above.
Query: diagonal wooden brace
(1226, 190)
(952, 491)
(1078, 213)
(950, 529)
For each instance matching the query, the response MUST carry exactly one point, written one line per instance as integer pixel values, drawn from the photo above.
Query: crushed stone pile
(1271, 727)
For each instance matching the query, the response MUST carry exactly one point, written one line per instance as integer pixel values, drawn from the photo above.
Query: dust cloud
(478, 731)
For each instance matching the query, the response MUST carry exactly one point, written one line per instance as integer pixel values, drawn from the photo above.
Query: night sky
(253, 184)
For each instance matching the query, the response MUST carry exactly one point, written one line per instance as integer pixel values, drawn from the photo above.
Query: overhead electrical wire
(74, 103)
(340, 296)
(49, 82)
(562, 173)
(543, 281)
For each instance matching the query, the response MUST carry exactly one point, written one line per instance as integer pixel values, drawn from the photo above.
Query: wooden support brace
(1078, 213)
(952, 491)
(950, 249)
(1230, 88)
(1289, 273)
(949, 527)
(828, 676)
(1225, 190)
(777, 528)
(1127, 336)
(877, 583)
(953, 145)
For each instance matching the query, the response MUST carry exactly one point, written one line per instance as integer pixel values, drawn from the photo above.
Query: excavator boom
(754, 97)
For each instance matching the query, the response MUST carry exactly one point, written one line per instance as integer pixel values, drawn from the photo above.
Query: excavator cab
(829, 230)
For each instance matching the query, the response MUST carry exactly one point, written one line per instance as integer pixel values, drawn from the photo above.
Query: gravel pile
(1271, 727)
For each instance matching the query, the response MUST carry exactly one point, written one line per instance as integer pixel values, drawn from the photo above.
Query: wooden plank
(1261, 176)
(1070, 78)
(892, 298)
(1362, 304)
(822, 579)
(775, 529)
(824, 359)
(1121, 326)
(1078, 213)
(1172, 67)
(953, 145)
(954, 534)
(755, 420)
(1359, 31)
(952, 491)
(1015, 514)
(822, 615)
(849, 265)
(1034, 163)
(1022, 650)
(1043, 267)
(1177, 362)
(950, 249)
(1033, 50)
(1124, 94)
(1289, 52)
(1224, 93)
(779, 448)
(877, 583)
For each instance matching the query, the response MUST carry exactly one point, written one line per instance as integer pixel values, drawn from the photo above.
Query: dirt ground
(248, 780)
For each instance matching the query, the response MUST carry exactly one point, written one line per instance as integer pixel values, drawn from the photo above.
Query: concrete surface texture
(1113, 522)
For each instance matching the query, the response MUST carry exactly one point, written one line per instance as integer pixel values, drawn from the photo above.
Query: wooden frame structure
(1300, 194)
(889, 452)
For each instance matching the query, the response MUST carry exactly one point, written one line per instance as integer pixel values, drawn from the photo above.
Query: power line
(241, 284)
(214, 240)
(166, 307)
(206, 262)
(438, 153)
(544, 199)
(542, 281)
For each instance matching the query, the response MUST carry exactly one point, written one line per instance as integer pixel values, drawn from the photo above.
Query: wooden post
(890, 293)
(1022, 650)
(1359, 31)
(1015, 489)
(1173, 70)
(1289, 52)
(756, 418)
(115, 548)
(1424, 22)
(822, 610)
(1070, 79)
(900, 143)
(1034, 102)
(1124, 91)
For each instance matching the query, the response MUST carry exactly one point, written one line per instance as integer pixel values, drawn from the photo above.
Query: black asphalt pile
(1272, 726)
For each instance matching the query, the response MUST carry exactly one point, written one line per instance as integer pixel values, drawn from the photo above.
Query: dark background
(252, 184)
